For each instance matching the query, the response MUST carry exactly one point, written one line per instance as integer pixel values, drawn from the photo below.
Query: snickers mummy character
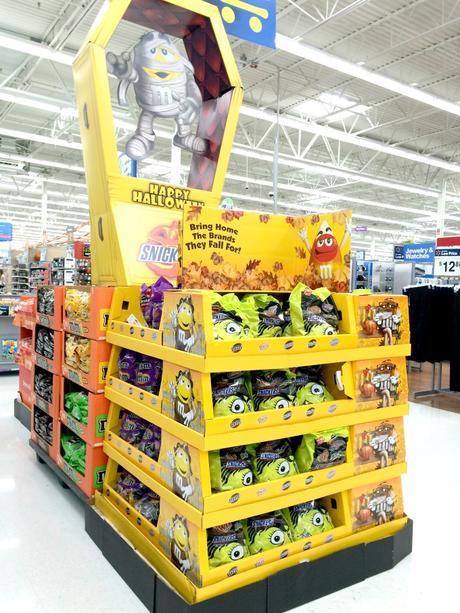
(165, 87)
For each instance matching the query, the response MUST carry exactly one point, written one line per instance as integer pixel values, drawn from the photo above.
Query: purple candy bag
(127, 361)
(151, 442)
(148, 374)
(152, 301)
(132, 428)
(130, 488)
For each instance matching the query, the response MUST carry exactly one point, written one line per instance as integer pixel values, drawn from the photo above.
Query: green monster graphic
(311, 393)
(226, 544)
(272, 460)
(183, 321)
(181, 464)
(308, 519)
(230, 469)
(180, 544)
(232, 405)
(227, 328)
(231, 394)
(279, 401)
(183, 398)
(266, 532)
(316, 326)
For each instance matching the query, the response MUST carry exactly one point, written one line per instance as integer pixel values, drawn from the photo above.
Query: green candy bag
(264, 314)
(272, 389)
(307, 519)
(313, 312)
(230, 469)
(231, 394)
(226, 544)
(309, 387)
(76, 404)
(266, 532)
(74, 452)
(319, 450)
(229, 321)
(272, 460)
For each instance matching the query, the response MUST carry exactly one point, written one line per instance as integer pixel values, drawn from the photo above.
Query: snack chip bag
(322, 449)
(265, 315)
(307, 519)
(230, 469)
(74, 452)
(130, 488)
(229, 320)
(272, 460)
(226, 544)
(152, 301)
(148, 374)
(76, 404)
(313, 312)
(149, 507)
(127, 361)
(132, 428)
(272, 389)
(77, 304)
(151, 442)
(309, 387)
(266, 532)
(231, 394)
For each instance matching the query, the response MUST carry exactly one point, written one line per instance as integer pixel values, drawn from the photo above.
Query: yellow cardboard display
(120, 206)
(219, 250)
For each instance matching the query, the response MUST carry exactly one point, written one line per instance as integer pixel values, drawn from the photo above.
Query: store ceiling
(344, 141)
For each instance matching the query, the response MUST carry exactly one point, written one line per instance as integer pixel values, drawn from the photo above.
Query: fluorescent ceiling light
(318, 56)
(40, 162)
(39, 138)
(329, 104)
(28, 47)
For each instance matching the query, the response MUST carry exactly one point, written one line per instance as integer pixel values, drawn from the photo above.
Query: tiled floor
(49, 564)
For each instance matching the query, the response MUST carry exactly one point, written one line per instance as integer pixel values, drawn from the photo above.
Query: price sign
(447, 262)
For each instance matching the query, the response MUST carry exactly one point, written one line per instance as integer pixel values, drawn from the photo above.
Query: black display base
(285, 590)
(64, 480)
(22, 413)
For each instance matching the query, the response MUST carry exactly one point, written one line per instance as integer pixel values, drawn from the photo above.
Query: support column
(441, 217)
(277, 144)
(44, 212)
(176, 159)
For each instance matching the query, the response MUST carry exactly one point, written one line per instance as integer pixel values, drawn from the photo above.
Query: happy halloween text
(213, 236)
(166, 196)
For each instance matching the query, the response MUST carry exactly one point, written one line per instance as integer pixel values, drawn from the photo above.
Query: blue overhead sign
(6, 231)
(254, 21)
(421, 253)
(398, 253)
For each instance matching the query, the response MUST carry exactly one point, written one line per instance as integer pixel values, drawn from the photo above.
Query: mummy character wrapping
(165, 87)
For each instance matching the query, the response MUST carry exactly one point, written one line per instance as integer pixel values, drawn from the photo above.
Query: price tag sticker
(447, 262)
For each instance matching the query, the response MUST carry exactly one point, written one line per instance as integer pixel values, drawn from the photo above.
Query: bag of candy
(230, 469)
(152, 301)
(77, 304)
(309, 387)
(272, 389)
(74, 452)
(149, 507)
(264, 314)
(132, 428)
(130, 488)
(322, 449)
(148, 374)
(265, 532)
(313, 312)
(43, 384)
(45, 300)
(151, 441)
(228, 319)
(272, 460)
(76, 404)
(307, 519)
(226, 544)
(231, 393)
(127, 361)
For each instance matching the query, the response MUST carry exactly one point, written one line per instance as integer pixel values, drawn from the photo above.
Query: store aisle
(49, 565)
